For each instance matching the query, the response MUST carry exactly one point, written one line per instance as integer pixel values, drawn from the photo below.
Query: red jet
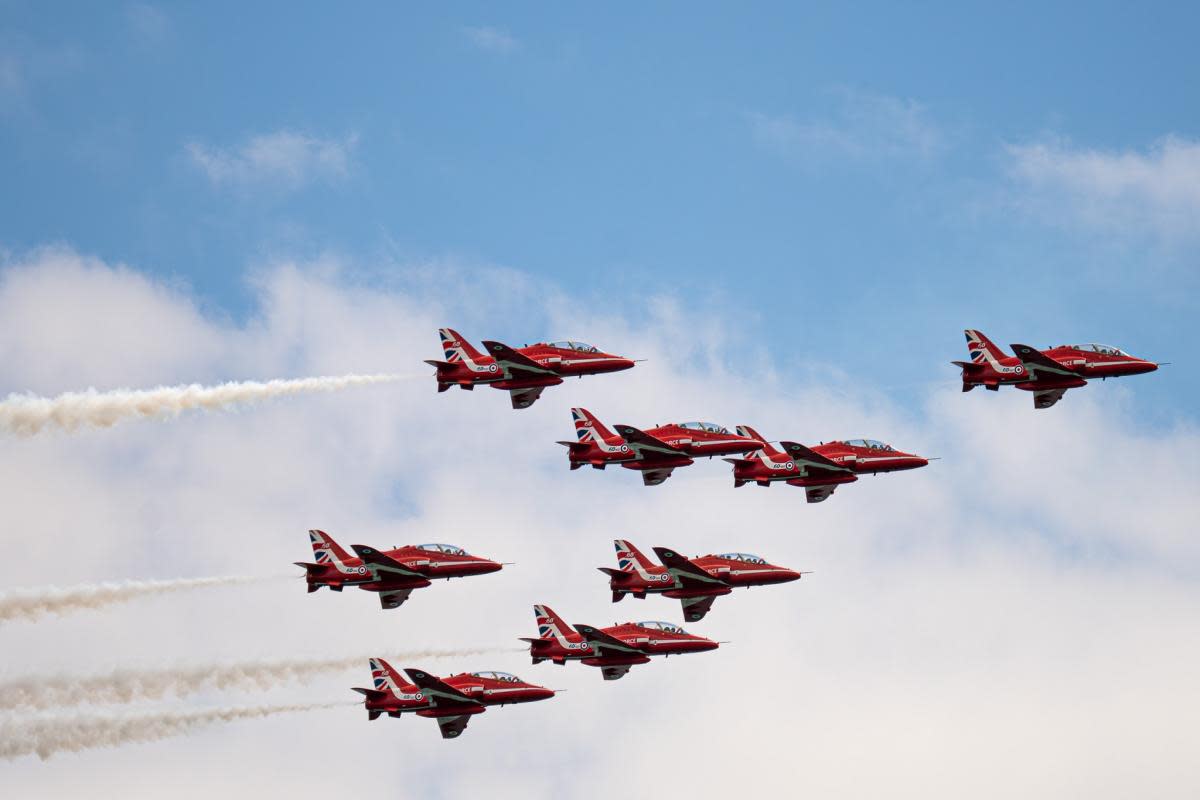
(524, 371)
(655, 452)
(451, 701)
(394, 573)
(821, 469)
(1046, 373)
(695, 582)
(614, 649)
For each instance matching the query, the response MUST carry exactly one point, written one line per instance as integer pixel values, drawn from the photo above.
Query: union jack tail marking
(981, 348)
(587, 427)
(326, 551)
(629, 558)
(456, 348)
(384, 677)
(550, 625)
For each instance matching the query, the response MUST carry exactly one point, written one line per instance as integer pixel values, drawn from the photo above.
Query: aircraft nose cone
(917, 461)
(541, 693)
(623, 363)
(788, 575)
(703, 645)
(486, 566)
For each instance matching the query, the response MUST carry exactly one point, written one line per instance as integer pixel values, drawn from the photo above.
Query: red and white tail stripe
(328, 552)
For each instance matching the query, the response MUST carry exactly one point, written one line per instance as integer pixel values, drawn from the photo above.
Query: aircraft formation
(655, 452)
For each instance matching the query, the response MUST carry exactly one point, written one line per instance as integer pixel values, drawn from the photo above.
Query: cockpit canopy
(497, 676)
(870, 444)
(665, 627)
(747, 557)
(579, 347)
(1103, 349)
(708, 427)
(443, 548)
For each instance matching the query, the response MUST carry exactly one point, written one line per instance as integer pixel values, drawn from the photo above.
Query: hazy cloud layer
(1154, 190)
(861, 125)
(1016, 619)
(492, 40)
(283, 159)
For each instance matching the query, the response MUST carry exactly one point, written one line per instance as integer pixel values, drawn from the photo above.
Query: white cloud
(493, 40)
(283, 159)
(862, 126)
(1155, 190)
(1016, 619)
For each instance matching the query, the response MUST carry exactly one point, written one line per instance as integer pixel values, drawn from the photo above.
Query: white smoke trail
(27, 414)
(30, 604)
(46, 737)
(127, 686)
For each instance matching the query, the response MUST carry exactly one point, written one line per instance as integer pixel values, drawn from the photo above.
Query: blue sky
(846, 176)
(790, 212)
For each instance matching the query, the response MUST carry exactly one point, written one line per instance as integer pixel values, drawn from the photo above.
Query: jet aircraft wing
(381, 565)
(440, 693)
(394, 598)
(602, 643)
(1041, 366)
(612, 673)
(524, 398)
(646, 446)
(653, 477)
(686, 574)
(810, 461)
(816, 494)
(1047, 397)
(452, 727)
(694, 608)
(513, 363)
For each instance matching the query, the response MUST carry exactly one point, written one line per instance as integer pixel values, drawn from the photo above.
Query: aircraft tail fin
(550, 624)
(456, 347)
(587, 427)
(629, 558)
(326, 551)
(981, 349)
(750, 433)
(384, 677)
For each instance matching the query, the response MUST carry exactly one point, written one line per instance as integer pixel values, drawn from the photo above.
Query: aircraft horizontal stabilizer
(371, 694)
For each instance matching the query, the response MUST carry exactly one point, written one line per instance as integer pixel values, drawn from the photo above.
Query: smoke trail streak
(27, 414)
(30, 604)
(46, 737)
(127, 686)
